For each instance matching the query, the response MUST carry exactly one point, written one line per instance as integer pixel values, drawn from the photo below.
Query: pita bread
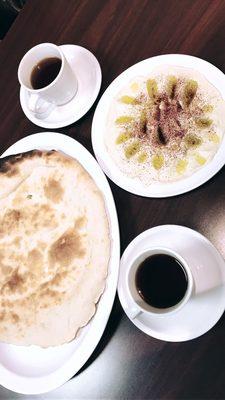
(54, 248)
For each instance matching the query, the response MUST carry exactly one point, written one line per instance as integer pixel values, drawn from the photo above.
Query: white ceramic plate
(213, 74)
(88, 73)
(207, 302)
(33, 370)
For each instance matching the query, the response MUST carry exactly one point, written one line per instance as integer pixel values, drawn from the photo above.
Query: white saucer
(207, 303)
(88, 73)
(156, 189)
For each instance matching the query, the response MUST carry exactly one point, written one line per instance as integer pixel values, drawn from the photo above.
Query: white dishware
(206, 303)
(87, 70)
(32, 369)
(140, 305)
(155, 189)
(61, 90)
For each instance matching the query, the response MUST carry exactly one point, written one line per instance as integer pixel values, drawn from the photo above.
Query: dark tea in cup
(161, 281)
(45, 72)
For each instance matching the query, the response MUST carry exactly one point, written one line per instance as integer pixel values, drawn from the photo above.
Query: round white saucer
(207, 302)
(101, 115)
(88, 73)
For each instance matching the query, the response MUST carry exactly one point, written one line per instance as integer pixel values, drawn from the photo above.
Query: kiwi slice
(152, 88)
(143, 116)
(134, 86)
(190, 90)
(207, 108)
(124, 119)
(128, 100)
(132, 149)
(123, 137)
(143, 121)
(142, 157)
(171, 86)
(157, 161)
(200, 160)
(192, 140)
(213, 137)
(181, 166)
(203, 123)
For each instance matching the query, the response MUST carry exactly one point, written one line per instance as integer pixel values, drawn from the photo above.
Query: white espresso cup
(60, 91)
(139, 304)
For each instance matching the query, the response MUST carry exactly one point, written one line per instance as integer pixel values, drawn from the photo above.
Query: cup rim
(23, 60)
(157, 311)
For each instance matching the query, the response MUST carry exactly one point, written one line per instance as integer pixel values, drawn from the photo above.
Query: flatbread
(54, 248)
(149, 136)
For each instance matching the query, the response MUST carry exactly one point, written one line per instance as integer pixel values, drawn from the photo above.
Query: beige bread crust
(54, 248)
(11, 167)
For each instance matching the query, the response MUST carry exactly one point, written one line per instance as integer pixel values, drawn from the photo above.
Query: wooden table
(128, 364)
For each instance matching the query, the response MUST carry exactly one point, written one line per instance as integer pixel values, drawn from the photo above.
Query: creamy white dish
(165, 126)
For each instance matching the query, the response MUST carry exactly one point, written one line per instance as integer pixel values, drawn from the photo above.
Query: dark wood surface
(128, 364)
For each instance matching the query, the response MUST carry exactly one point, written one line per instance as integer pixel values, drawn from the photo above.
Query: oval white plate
(213, 74)
(207, 303)
(33, 370)
(89, 76)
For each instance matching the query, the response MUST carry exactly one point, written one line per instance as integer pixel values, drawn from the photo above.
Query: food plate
(207, 302)
(34, 370)
(157, 189)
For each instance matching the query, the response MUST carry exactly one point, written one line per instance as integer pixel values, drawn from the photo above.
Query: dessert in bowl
(165, 126)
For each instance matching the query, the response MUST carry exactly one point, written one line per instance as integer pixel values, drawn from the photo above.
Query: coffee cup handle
(40, 107)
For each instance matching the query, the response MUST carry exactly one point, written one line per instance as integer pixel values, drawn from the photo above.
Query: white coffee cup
(139, 305)
(60, 91)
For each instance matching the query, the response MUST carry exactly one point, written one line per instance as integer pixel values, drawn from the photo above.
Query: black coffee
(45, 72)
(161, 281)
